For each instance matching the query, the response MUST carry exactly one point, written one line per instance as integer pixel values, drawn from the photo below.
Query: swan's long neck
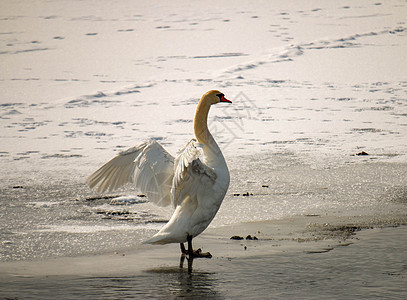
(201, 123)
(212, 155)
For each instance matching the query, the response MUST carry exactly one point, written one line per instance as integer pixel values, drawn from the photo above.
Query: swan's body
(195, 183)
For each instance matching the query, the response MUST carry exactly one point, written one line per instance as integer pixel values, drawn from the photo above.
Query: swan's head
(214, 96)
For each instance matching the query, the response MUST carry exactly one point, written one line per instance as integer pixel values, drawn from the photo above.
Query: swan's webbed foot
(198, 253)
(193, 253)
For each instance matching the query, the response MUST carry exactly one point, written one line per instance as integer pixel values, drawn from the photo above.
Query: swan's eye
(220, 96)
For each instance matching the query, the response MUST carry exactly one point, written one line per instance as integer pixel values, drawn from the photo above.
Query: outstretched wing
(149, 166)
(191, 176)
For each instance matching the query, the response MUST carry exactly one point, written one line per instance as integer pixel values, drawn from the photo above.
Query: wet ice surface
(312, 85)
(57, 220)
(65, 218)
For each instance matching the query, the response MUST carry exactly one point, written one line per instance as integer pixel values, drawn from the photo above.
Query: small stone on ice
(362, 153)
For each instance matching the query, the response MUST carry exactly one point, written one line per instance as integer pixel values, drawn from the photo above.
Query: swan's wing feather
(149, 166)
(191, 176)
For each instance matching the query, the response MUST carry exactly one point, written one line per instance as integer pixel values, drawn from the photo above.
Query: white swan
(195, 183)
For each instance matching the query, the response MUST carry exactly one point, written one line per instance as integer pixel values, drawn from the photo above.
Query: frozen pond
(313, 85)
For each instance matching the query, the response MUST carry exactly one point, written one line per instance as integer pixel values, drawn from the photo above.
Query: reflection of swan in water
(183, 282)
(154, 283)
(195, 183)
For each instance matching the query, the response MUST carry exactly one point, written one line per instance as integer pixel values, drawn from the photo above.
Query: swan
(195, 182)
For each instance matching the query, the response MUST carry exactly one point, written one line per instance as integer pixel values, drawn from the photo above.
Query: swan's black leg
(181, 260)
(190, 249)
(183, 250)
(190, 262)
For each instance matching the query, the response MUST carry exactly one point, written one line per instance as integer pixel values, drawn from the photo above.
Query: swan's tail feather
(160, 239)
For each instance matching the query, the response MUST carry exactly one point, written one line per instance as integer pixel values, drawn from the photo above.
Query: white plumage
(195, 183)
(148, 166)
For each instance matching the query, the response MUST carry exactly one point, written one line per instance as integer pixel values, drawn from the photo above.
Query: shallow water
(368, 268)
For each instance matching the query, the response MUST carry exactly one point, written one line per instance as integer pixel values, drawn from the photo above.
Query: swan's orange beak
(223, 99)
